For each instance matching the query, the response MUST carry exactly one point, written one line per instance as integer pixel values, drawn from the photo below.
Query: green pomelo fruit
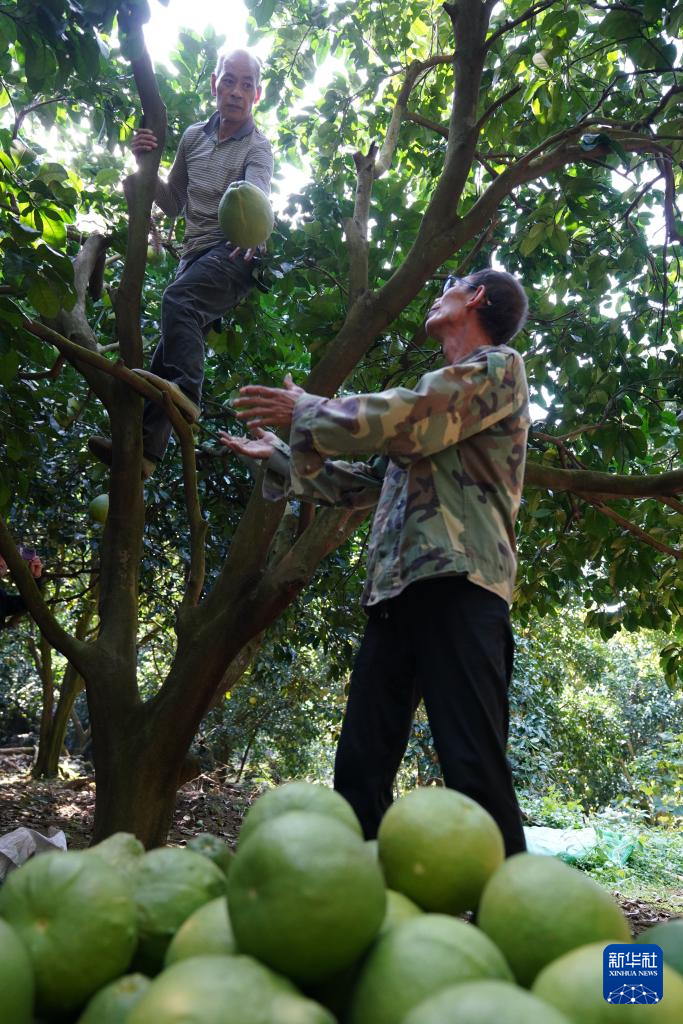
(99, 508)
(536, 908)
(298, 796)
(373, 845)
(484, 1002)
(76, 918)
(439, 848)
(399, 909)
(113, 1003)
(335, 992)
(245, 215)
(169, 886)
(214, 848)
(121, 851)
(573, 984)
(216, 990)
(305, 896)
(417, 959)
(669, 937)
(207, 932)
(16, 978)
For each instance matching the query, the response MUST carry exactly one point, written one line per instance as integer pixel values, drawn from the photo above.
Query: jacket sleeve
(347, 484)
(447, 406)
(171, 195)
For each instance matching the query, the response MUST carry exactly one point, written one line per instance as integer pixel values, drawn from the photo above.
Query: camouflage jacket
(449, 486)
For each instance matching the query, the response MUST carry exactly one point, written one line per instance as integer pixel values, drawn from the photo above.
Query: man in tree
(213, 275)
(13, 604)
(442, 553)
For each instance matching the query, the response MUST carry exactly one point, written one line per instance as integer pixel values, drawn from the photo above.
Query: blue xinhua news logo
(632, 974)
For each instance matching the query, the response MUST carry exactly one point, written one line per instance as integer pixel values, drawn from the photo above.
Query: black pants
(449, 642)
(205, 287)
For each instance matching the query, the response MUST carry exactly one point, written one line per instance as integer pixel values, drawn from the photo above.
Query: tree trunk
(52, 737)
(42, 656)
(51, 745)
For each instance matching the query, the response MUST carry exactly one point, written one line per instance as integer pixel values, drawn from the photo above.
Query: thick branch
(356, 227)
(198, 525)
(140, 189)
(587, 482)
(637, 531)
(413, 72)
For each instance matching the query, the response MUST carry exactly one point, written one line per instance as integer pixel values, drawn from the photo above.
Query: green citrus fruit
(535, 908)
(669, 937)
(169, 886)
(245, 215)
(121, 851)
(224, 990)
(99, 508)
(298, 796)
(335, 992)
(574, 984)
(305, 896)
(16, 978)
(207, 932)
(439, 848)
(484, 1002)
(214, 848)
(76, 918)
(399, 909)
(417, 959)
(113, 1003)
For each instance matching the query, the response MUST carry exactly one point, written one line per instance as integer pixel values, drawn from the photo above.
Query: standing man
(442, 553)
(213, 275)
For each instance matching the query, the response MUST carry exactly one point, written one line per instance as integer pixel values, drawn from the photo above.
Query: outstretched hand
(268, 407)
(260, 447)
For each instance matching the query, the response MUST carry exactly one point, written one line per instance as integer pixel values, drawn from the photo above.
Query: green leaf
(44, 298)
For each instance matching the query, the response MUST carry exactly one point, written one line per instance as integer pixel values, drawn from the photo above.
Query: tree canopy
(543, 137)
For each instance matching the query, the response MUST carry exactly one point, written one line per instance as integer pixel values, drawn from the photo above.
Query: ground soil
(210, 803)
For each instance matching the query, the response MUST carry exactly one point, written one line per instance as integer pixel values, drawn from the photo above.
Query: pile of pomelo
(309, 924)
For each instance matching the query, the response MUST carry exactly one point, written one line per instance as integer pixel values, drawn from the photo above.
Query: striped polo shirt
(203, 169)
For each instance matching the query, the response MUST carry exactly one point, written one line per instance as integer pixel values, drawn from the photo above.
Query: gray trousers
(204, 289)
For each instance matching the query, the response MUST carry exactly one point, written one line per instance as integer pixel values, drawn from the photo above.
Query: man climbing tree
(213, 275)
(441, 556)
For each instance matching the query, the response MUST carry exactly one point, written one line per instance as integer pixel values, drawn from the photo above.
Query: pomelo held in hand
(16, 978)
(537, 908)
(245, 215)
(76, 918)
(298, 796)
(415, 960)
(305, 895)
(574, 985)
(439, 848)
(484, 1002)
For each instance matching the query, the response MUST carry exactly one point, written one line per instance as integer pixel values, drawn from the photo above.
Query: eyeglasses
(452, 280)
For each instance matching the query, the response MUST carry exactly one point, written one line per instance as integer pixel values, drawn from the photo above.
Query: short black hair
(507, 307)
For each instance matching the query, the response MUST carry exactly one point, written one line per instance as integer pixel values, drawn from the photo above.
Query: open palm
(259, 447)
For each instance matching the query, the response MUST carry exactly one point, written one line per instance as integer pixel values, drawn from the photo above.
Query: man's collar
(212, 127)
